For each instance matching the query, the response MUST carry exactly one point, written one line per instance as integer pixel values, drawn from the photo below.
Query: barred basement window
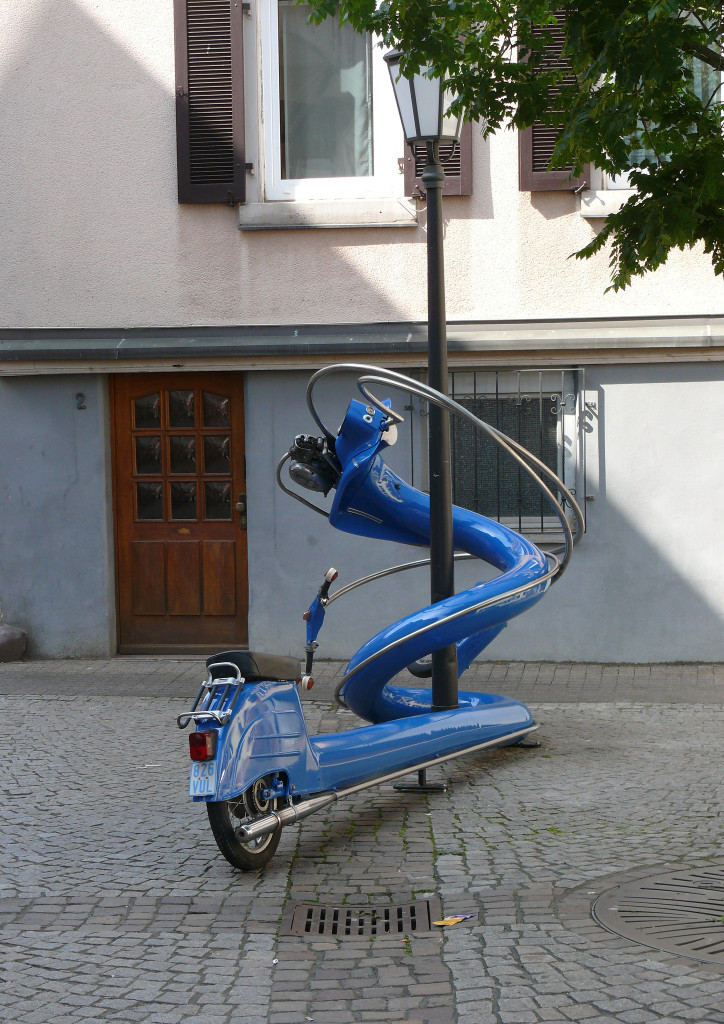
(541, 409)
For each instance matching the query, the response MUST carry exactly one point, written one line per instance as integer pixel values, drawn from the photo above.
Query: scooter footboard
(375, 751)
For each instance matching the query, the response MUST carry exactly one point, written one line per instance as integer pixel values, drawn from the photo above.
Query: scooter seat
(255, 667)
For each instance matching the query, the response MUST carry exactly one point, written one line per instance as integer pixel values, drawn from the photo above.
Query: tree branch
(713, 58)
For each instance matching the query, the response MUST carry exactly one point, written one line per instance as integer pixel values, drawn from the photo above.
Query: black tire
(225, 816)
(421, 669)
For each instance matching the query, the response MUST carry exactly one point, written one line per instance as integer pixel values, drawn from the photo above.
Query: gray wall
(291, 547)
(646, 583)
(56, 541)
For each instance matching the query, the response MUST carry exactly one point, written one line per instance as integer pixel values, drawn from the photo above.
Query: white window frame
(609, 193)
(388, 144)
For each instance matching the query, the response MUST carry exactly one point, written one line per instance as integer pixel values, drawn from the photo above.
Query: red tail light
(202, 745)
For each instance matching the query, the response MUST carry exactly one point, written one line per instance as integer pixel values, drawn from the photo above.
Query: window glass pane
(218, 501)
(216, 410)
(148, 455)
(147, 411)
(181, 408)
(183, 500)
(325, 95)
(706, 82)
(183, 454)
(485, 480)
(149, 501)
(216, 454)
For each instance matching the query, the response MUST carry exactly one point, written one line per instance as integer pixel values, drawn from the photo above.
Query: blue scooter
(254, 764)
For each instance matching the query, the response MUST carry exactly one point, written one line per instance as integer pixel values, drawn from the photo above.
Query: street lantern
(422, 102)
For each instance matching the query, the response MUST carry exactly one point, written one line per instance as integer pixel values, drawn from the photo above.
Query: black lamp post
(422, 102)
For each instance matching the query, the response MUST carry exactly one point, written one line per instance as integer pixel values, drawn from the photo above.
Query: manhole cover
(315, 919)
(680, 912)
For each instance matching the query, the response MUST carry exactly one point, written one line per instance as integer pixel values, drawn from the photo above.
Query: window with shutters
(536, 144)
(321, 119)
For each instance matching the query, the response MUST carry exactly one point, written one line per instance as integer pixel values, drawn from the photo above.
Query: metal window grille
(541, 409)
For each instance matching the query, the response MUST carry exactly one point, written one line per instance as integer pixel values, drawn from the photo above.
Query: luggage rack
(216, 699)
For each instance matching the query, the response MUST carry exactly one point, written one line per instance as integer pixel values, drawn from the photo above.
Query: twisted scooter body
(250, 711)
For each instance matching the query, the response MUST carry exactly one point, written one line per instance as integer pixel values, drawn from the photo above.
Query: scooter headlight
(313, 466)
(309, 477)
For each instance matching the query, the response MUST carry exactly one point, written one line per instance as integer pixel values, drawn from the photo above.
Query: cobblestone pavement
(180, 675)
(115, 904)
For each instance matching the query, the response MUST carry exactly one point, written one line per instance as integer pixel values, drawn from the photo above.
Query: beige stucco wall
(93, 235)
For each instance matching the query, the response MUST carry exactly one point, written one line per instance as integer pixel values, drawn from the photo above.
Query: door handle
(241, 509)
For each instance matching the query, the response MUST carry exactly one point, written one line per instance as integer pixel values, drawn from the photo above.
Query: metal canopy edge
(27, 350)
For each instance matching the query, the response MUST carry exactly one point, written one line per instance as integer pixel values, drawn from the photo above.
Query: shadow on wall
(88, 193)
(56, 577)
(638, 589)
(87, 142)
(552, 205)
(644, 585)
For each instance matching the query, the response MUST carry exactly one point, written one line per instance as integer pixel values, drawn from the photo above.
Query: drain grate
(343, 922)
(679, 912)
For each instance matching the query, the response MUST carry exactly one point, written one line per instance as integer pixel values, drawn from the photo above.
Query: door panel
(181, 560)
(148, 581)
(219, 563)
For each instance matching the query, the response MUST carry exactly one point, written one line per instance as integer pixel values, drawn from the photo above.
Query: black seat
(255, 667)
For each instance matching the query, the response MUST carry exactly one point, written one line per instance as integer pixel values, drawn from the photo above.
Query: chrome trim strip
(525, 459)
(458, 556)
(293, 494)
(499, 598)
(296, 812)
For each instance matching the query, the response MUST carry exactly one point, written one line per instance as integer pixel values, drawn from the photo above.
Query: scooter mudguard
(266, 735)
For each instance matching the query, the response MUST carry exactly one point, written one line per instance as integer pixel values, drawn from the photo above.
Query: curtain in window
(325, 97)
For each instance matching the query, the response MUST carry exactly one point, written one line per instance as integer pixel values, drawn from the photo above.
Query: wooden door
(179, 496)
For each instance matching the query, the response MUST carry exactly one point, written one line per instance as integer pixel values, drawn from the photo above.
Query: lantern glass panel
(427, 94)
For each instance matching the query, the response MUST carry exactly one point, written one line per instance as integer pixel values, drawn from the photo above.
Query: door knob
(241, 509)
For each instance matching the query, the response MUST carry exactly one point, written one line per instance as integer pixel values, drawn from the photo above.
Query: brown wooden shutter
(210, 101)
(457, 162)
(535, 144)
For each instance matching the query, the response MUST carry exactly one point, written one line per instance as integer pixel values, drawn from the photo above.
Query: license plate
(203, 778)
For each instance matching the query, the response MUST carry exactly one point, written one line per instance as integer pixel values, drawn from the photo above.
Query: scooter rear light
(202, 744)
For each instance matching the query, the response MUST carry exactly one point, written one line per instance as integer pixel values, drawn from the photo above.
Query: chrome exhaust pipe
(296, 812)
(286, 816)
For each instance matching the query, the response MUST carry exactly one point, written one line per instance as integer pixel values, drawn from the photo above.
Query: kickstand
(422, 785)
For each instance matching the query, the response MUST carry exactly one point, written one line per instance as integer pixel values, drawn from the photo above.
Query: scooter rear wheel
(225, 817)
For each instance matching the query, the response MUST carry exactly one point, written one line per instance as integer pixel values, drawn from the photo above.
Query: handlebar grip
(329, 577)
